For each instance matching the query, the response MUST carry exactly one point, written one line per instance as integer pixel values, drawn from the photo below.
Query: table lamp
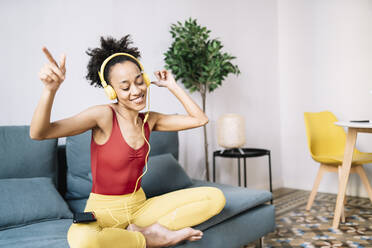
(231, 131)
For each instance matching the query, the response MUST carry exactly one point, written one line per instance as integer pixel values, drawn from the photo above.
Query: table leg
(239, 171)
(271, 184)
(214, 168)
(346, 165)
(245, 174)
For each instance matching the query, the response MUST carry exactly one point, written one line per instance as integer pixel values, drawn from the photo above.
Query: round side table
(242, 153)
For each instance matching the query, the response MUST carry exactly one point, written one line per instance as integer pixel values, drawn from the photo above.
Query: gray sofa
(43, 183)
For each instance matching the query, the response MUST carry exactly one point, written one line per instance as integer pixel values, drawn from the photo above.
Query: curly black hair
(109, 46)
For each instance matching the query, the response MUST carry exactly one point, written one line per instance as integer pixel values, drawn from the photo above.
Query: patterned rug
(297, 227)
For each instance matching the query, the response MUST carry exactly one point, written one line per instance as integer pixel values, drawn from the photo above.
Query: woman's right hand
(52, 74)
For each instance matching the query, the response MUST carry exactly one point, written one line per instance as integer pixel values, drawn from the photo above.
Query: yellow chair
(326, 143)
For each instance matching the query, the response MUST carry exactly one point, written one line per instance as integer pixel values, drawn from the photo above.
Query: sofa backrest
(22, 157)
(79, 177)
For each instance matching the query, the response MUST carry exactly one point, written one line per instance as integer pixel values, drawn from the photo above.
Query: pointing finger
(49, 56)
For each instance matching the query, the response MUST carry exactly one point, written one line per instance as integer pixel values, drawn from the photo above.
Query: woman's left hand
(165, 79)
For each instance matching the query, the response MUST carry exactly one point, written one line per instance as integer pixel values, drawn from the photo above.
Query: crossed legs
(160, 221)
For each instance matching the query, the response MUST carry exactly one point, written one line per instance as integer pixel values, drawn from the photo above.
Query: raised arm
(195, 118)
(52, 75)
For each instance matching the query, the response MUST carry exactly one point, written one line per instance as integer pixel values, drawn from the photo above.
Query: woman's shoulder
(104, 113)
(102, 109)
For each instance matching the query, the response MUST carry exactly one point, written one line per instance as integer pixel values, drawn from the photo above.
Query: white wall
(295, 56)
(248, 29)
(325, 59)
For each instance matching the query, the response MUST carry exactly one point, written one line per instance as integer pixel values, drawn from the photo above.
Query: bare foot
(159, 236)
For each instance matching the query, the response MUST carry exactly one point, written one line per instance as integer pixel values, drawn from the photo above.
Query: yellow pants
(174, 210)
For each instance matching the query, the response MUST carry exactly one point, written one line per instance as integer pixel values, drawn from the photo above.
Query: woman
(125, 218)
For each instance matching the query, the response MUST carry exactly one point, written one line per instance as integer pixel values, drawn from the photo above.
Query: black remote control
(85, 217)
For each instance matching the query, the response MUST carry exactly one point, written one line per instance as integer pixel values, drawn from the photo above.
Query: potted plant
(198, 62)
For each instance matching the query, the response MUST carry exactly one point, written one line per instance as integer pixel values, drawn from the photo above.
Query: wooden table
(353, 129)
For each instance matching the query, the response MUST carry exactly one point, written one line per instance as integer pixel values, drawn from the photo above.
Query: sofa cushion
(22, 157)
(52, 233)
(79, 182)
(164, 174)
(29, 200)
(77, 205)
(238, 200)
(164, 142)
(238, 231)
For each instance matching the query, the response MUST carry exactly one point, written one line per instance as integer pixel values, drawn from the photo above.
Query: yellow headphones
(110, 92)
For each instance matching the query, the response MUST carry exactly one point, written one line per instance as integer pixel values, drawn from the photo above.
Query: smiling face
(127, 81)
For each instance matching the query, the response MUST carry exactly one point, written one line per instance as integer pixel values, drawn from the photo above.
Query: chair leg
(362, 174)
(343, 208)
(318, 178)
(261, 243)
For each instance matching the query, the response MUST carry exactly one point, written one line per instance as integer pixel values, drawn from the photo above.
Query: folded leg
(181, 208)
(93, 236)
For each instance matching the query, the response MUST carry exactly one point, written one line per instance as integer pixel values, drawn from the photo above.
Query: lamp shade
(231, 131)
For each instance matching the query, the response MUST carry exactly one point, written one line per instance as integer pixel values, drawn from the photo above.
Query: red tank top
(115, 165)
